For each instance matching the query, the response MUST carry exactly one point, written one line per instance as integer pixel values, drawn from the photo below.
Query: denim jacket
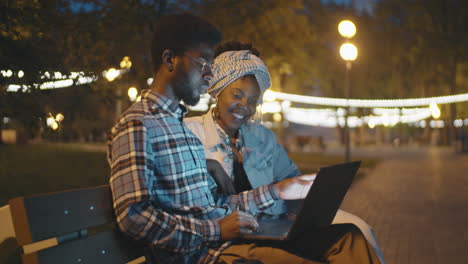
(265, 161)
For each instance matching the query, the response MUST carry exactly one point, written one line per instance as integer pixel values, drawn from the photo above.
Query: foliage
(407, 49)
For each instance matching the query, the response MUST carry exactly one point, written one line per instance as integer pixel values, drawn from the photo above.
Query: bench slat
(104, 247)
(41, 217)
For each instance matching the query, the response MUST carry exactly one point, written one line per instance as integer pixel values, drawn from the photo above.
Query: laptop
(318, 208)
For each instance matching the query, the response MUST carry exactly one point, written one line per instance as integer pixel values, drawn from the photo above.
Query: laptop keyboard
(274, 227)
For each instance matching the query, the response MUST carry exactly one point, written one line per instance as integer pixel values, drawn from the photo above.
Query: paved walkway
(417, 202)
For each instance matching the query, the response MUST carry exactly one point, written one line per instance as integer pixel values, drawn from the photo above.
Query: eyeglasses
(203, 65)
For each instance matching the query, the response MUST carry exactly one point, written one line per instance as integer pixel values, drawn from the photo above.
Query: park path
(417, 202)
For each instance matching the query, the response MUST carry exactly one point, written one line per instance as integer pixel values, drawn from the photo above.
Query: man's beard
(192, 99)
(186, 88)
(187, 94)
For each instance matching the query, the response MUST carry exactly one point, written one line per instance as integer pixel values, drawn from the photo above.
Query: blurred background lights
(271, 107)
(285, 104)
(368, 103)
(20, 74)
(348, 52)
(277, 117)
(50, 120)
(203, 104)
(340, 112)
(269, 96)
(53, 122)
(59, 117)
(58, 75)
(54, 126)
(126, 63)
(435, 111)
(371, 123)
(132, 93)
(111, 74)
(347, 29)
(149, 81)
(436, 124)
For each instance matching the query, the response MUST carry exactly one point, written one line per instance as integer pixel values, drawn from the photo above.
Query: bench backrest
(75, 226)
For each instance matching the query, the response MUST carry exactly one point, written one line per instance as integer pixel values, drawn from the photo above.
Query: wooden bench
(75, 226)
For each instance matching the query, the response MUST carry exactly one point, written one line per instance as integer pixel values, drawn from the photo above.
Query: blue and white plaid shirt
(162, 192)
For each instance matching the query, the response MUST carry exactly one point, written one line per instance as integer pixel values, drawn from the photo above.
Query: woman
(242, 155)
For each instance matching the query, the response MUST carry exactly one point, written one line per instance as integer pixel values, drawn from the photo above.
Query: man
(162, 192)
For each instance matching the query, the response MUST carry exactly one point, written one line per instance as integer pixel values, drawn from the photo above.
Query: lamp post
(111, 74)
(348, 52)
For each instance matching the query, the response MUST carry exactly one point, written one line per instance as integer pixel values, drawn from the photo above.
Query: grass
(42, 168)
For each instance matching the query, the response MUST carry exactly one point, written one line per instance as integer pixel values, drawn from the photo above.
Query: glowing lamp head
(126, 63)
(54, 126)
(111, 74)
(59, 117)
(347, 29)
(348, 52)
(123, 64)
(50, 120)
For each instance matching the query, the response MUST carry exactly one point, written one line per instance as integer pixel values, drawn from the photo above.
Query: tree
(439, 43)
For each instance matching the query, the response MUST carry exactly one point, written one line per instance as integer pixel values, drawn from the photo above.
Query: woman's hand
(295, 188)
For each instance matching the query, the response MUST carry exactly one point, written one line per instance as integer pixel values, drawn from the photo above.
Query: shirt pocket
(261, 171)
(263, 162)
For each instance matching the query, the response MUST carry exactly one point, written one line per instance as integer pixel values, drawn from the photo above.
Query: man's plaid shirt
(162, 192)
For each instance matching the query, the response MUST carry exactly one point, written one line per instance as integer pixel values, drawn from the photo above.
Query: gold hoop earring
(215, 113)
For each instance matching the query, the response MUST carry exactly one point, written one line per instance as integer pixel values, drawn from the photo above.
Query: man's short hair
(180, 32)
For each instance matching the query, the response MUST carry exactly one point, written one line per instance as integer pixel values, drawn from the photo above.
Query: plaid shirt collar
(157, 101)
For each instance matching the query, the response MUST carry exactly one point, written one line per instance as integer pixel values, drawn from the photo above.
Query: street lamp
(111, 74)
(347, 29)
(126, 63)
(349, 53)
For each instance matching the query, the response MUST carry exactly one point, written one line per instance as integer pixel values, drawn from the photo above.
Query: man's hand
(295, 188)
(232, 224)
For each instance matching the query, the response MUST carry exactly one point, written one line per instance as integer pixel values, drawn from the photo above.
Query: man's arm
(252, 201)
(136, 214)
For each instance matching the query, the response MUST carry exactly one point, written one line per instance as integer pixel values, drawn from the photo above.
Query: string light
(52, 84)
(332, 118)
(435, 111)
(369, 103)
